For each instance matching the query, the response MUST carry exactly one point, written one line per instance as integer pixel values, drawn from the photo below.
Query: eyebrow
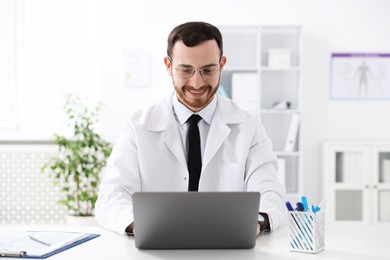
(190, 66)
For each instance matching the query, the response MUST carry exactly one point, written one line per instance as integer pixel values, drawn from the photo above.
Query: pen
(13, 254)
(315, 208)
(305, 204)
(289, 207)
(300, 206)
(39, 240)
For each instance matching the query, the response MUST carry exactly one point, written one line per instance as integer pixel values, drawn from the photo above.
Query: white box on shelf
(292, 134)
(245, 90)
(279, 58)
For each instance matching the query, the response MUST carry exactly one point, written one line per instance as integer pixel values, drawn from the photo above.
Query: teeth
(196, 92)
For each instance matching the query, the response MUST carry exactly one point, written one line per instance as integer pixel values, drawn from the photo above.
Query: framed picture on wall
(136, 68)
(364, 76)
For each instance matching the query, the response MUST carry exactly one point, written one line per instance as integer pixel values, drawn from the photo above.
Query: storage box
(279, 58)
(307, 231)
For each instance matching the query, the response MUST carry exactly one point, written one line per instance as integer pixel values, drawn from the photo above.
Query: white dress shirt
(182, 113)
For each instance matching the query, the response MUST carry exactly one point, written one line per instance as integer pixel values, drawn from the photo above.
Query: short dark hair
(194, 33)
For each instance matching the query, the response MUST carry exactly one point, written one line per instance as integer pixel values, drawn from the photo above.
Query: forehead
(202, 54)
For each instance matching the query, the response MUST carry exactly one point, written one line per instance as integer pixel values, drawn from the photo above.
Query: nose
(197, 80)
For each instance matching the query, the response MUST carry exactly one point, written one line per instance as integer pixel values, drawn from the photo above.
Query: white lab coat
(149, 156)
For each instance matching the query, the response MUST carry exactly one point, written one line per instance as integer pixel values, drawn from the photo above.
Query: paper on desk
(22, 242)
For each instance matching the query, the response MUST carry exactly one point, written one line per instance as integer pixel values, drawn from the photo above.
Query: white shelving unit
(247, 51)
(358, 182)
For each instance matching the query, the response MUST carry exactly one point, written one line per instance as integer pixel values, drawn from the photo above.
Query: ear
(223, 62)
(168, 65)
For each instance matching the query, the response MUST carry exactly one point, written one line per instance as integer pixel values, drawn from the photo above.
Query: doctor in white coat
(151, 153)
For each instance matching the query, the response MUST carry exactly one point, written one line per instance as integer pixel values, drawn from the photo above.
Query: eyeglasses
(187, 71)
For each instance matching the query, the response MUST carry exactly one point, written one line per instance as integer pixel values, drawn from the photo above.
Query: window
(44, 55)
(8, 63)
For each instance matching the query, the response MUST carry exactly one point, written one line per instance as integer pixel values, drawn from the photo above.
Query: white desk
(342, 242)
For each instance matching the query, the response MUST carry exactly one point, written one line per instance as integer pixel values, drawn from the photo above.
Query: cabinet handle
(375, 186)
(367, 186)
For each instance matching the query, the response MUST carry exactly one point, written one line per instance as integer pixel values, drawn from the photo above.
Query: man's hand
(130, 229)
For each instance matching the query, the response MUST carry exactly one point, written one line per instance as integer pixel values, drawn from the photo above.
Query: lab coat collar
(162, 119)
(162, 115)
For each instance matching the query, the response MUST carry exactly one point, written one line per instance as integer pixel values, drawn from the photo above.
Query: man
(154, 154)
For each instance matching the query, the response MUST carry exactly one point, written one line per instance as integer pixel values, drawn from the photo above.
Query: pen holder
(307, 231)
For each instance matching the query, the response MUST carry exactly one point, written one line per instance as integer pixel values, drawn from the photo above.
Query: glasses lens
(186, 72)
(209, 72)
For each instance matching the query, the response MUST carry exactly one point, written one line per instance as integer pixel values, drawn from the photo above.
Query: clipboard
(42, 244)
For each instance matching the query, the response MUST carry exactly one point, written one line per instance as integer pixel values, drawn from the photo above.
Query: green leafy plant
(77, 167)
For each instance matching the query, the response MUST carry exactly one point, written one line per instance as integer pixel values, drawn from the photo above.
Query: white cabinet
(358, 181)
(263, 72)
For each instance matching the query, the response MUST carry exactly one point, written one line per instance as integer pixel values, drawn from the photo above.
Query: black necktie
(194, 163)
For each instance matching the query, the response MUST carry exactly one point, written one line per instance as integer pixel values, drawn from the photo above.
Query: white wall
(120, 25)
(329, 26)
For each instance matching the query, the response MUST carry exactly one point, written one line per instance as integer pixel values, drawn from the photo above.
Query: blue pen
(305, 204)
(315, 209)
(289, 207)
(300, 206)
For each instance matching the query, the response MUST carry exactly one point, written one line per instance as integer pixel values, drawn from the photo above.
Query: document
(245, 90)
(292, 134)
(40, 244)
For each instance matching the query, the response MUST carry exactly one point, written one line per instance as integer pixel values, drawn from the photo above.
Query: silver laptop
(201, 220)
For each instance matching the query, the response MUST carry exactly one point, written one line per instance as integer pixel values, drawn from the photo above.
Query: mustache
(189, 87)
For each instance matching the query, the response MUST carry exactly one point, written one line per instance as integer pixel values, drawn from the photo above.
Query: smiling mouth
(197, 91)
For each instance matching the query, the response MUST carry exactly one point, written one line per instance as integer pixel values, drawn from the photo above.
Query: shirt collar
(183, 113)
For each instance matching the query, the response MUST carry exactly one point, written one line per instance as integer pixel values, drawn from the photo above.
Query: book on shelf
(292, 134)
(245, 90)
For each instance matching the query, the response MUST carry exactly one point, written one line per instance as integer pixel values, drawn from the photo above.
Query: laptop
(195, 220)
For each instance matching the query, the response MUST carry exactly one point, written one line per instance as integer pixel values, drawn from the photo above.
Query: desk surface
(341, 242)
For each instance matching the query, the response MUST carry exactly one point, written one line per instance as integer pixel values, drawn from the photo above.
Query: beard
(195, 98)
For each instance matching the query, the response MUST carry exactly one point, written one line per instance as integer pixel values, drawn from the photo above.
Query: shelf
(383, 186)
(239, 69)
(284, 153)
(280, 111)
(291, 69)
(348, 186)
(248, 79)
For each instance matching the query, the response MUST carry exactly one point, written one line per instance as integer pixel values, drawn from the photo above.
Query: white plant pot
(81, 220)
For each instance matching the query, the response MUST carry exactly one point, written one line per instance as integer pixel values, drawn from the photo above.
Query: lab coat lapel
(219, 132)
(163, 120)
(225, 114)
(173, 141)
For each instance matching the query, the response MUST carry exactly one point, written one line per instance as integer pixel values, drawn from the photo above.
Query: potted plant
(77, 167)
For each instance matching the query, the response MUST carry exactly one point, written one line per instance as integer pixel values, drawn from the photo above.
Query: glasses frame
(201, 71)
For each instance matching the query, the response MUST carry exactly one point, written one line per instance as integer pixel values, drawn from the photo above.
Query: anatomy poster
(360, 76)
